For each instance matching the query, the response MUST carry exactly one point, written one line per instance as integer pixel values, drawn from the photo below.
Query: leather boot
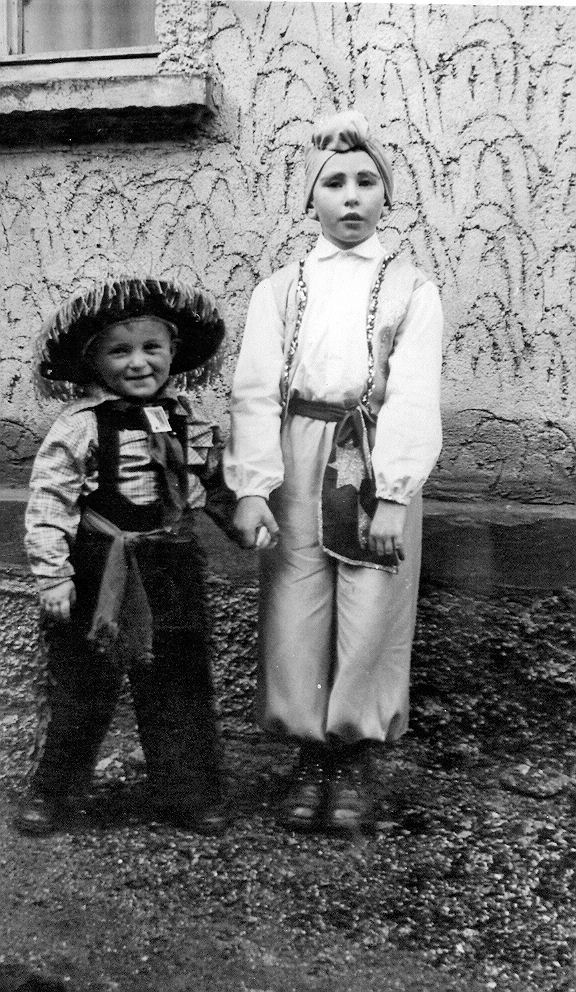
(199, 812)
(303, 807)
(349, 805)
(41, 813)
(210, 820)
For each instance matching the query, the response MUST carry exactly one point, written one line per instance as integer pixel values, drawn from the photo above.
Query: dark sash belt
(318, 410)
(121, 575)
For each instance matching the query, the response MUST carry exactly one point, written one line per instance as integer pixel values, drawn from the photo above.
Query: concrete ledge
(485, 545)
(225, 557)
(127, 83)
(132, 106)
(471, 545)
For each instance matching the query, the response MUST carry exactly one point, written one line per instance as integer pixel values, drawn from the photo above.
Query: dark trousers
(174, 710)
(172, 694)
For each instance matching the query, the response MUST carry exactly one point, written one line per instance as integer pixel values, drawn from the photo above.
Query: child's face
(348, 198)
(133, 357)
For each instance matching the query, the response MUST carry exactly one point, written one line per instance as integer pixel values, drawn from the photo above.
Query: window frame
(11, 28)
(12, 41)
(94, 94)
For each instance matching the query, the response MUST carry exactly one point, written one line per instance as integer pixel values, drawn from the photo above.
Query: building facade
(170, 143)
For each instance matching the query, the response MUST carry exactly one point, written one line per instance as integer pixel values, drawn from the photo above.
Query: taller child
(337, 385)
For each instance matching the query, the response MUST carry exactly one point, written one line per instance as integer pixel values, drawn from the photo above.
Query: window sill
(56, 65)
(94, 96)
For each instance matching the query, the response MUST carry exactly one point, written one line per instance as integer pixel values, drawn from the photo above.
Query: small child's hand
(58, 601)
(387, 529)
(255, 523)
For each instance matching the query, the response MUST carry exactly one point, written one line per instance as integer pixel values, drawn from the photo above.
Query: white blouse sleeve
(253, 463)
(409, 433)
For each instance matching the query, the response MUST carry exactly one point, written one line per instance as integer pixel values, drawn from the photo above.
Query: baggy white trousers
(334, 639)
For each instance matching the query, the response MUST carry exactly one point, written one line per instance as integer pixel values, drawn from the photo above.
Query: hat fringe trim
(119, 295)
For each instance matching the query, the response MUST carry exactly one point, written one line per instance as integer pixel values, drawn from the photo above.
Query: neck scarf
(165, 450)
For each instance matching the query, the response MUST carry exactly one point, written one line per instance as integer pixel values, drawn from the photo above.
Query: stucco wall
(477, 106)
(182, 28)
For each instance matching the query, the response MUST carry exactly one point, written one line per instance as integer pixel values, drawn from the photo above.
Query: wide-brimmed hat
(60, 366)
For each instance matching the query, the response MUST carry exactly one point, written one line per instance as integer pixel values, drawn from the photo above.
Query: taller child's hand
(253, 513)
(58, 602)
(387, 529)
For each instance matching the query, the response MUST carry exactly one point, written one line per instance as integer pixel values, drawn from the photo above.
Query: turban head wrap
(344, 132)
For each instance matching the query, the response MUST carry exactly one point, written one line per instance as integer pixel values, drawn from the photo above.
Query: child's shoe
(207, 818)
(41, 814)
(350, 806)
(302, 809)
(210, 820)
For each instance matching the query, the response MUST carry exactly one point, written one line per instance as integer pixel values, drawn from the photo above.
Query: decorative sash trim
(302, 300)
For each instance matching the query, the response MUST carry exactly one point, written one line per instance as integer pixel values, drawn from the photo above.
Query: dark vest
(107, 500)
(171, 565)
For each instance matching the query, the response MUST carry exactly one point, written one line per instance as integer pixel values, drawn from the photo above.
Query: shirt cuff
(401, 500)
(45, 584)
(263, 493)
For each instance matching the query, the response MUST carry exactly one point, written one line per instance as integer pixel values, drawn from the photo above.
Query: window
(34, 28)
(83, 70)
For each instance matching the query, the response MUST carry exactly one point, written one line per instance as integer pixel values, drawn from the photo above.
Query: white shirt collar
(371, 248)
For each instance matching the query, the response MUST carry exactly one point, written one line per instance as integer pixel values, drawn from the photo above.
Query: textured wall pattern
(478, 108)
(182, 31)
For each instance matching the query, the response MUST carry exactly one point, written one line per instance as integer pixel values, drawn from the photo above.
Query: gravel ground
(467, 884)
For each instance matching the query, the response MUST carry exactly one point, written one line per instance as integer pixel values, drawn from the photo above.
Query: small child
(335, 428)
(110, 539)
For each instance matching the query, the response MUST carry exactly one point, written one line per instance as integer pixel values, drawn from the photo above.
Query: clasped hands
(255, 524)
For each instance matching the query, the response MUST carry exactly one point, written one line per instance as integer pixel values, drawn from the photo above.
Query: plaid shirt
(66, 468)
